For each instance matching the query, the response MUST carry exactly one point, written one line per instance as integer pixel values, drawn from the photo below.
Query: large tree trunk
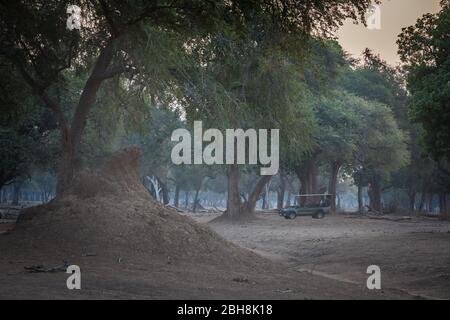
(443, 206)
(307, 175)
(71, 135)
(234, 198)
(375, 194)
(305, 186)
(235, 208)
(360, 199)
(176, 198)
(67, 162)
(332, 186)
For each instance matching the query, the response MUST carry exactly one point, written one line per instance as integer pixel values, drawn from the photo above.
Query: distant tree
(380, 148)
(425, 51)
(337, 116)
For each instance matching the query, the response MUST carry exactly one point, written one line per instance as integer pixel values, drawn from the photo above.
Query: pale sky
(395, 14)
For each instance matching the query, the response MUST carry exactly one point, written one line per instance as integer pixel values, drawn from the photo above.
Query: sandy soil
(129, 246)
(315, 259)
(414, 256)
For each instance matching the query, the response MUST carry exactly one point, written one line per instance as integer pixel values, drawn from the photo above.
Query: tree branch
(151, 10)
(90, 89)
(39, 90)
(113, 72)
(109, 19)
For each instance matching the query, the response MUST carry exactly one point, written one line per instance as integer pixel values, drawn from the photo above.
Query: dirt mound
(108, 211)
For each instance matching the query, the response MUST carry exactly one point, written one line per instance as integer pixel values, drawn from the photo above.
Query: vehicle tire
(292, 215)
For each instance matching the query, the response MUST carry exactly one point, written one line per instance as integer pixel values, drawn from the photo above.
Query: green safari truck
(313, 205)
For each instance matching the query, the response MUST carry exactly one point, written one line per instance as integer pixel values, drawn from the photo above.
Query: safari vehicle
(314, 205)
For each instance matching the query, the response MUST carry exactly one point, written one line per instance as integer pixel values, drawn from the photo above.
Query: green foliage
(338, 117)
(27, 139)
(231, 64)
(376, 80)
(424, 49)
(155, 144)
(381, 146)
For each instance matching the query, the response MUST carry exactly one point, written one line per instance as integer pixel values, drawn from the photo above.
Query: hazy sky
(395, 14)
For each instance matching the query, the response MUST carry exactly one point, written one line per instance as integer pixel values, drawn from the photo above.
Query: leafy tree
(118, 38)
(249, 86)
(424, 49)
(26, 131)
(380, 150)
(375, 80)
(338, 121)
(322, 70)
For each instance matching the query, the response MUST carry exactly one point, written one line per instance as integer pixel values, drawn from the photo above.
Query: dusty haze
(395, 14)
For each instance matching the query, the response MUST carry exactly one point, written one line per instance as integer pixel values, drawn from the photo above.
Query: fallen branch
(40, 268)
(379, 217)
(395, 219)
(176, 209)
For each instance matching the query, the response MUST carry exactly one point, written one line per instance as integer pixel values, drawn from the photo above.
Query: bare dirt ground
(314, 259)
(414, 255)
(128, 246)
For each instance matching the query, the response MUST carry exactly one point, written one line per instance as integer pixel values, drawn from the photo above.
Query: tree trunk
(304, 187)
(164, 191)
(280, 193)
(71, 134)
(307, 175)
(176, 198)
(2, 195)
(332, 186)
(67, 163)
(194, 207)
(375, 194)
(197, 192)
(155, 187)
(253, 198)
(234, 199)
(430, 202)
(412, 200)
(264, 201)
(313, 176)
(16, 193)
(423, 198)
(266, 196)
(360, 199)
(443, 206)
(186, 199)
(288, 200)
(236, 209)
